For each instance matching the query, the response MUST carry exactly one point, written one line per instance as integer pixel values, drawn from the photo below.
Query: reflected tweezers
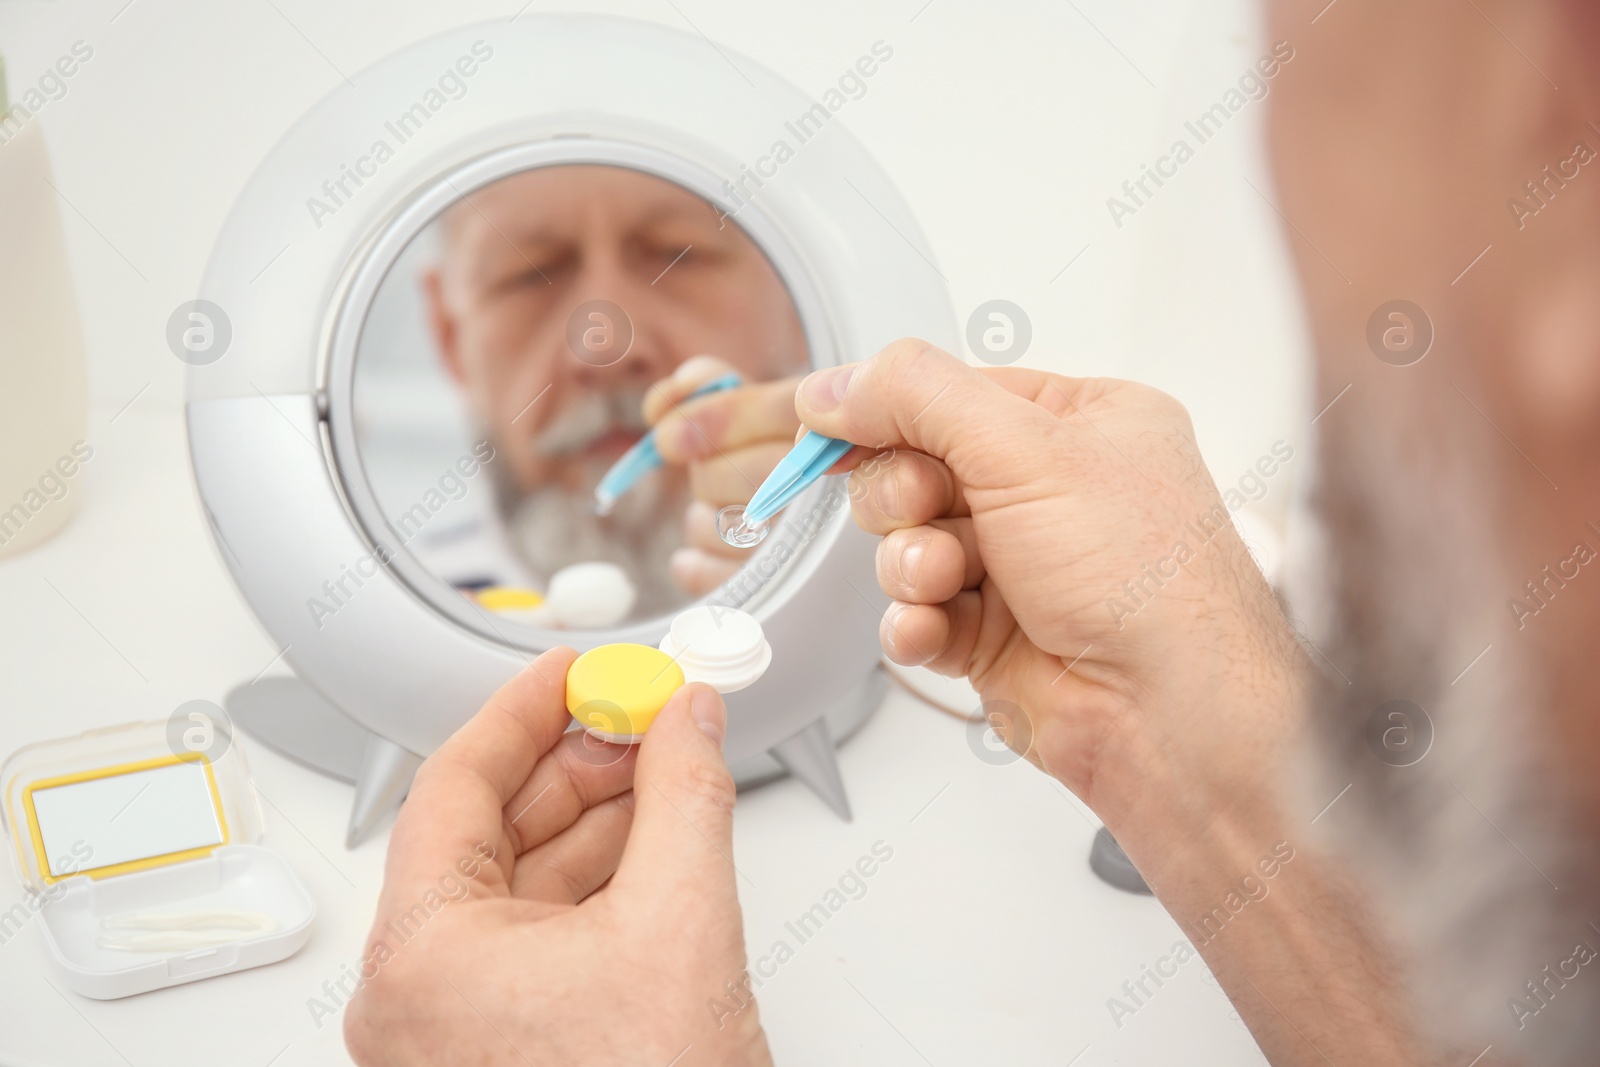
(644, 456)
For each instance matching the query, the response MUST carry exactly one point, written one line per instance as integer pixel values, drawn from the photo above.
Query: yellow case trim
(125, 867)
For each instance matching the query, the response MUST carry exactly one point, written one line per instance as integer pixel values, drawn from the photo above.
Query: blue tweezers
(809, 460)
(644, 456)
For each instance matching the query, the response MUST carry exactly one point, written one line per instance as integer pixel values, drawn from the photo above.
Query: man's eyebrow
(675, 212)
(504, 249)
(519, 235)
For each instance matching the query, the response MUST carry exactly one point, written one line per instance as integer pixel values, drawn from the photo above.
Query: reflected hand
(730, 441)
(535, 911)
(1016, 508)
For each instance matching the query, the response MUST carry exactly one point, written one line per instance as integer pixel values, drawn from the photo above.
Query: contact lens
(732, 528)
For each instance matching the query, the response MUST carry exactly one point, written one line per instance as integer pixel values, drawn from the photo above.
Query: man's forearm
(1289, 939)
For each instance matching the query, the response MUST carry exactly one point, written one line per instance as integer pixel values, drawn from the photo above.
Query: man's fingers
(940, 637)
(1058, 394)
(578, 861)
(457, 798)
(706, 560)
(734, 477)
(895, 489)
(697, 572)
(577, 774)
(681, 845)
(691, 374)
(513, 730)
(700, 531)
(912, 395)
(929, 564)
(734, 418)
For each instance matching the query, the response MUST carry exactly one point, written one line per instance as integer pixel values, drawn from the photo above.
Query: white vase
(43, 391)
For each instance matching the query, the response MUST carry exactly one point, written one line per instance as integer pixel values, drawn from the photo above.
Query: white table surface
(984, 940)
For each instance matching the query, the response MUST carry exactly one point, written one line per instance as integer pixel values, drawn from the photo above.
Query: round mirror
(342, 452)
(514, 352)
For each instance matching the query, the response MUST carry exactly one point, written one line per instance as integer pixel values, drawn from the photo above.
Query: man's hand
(537, 911)
(730, 441)
(1060, 542)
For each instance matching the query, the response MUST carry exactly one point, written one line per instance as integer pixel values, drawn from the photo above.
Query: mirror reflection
(524, 342)
(126, 817)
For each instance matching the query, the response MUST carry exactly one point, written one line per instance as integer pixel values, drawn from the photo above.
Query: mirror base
(294, 720)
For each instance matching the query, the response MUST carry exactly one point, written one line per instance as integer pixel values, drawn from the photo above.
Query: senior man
(558, 296)
(1433, 898)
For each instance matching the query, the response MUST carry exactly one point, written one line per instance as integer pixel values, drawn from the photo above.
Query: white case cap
(723, 647)
(589, 596)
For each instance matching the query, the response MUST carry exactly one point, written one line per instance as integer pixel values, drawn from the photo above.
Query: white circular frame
(275, 485)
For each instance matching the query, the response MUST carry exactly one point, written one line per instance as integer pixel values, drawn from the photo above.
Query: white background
(1006, 127)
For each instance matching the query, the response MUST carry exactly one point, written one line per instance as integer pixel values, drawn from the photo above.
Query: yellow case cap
(508, 598)
(618, 689)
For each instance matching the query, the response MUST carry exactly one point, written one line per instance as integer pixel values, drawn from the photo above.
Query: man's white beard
(555, 526)
(552, 528)
(1401, 578)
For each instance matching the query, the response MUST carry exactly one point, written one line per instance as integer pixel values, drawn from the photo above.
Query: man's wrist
(1209, 800)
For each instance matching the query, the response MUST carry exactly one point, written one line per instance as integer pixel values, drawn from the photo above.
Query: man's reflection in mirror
(516, 259)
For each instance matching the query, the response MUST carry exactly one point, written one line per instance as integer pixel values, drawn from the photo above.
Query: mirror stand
(294, 720)
(809, 757)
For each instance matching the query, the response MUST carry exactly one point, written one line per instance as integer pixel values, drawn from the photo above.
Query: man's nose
(631, 315)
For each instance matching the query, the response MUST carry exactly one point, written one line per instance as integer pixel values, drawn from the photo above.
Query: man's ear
(442, 321)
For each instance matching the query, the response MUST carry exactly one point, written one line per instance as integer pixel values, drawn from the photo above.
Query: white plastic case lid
(723, 647)
(128, 824)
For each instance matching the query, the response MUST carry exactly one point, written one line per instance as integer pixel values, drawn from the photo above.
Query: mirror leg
(385, 778)
(809, 756)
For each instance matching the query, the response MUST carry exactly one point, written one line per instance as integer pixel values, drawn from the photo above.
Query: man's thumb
(913, 395)
(683, 798)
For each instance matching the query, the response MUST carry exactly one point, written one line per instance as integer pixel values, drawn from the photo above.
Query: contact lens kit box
(139, 849)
